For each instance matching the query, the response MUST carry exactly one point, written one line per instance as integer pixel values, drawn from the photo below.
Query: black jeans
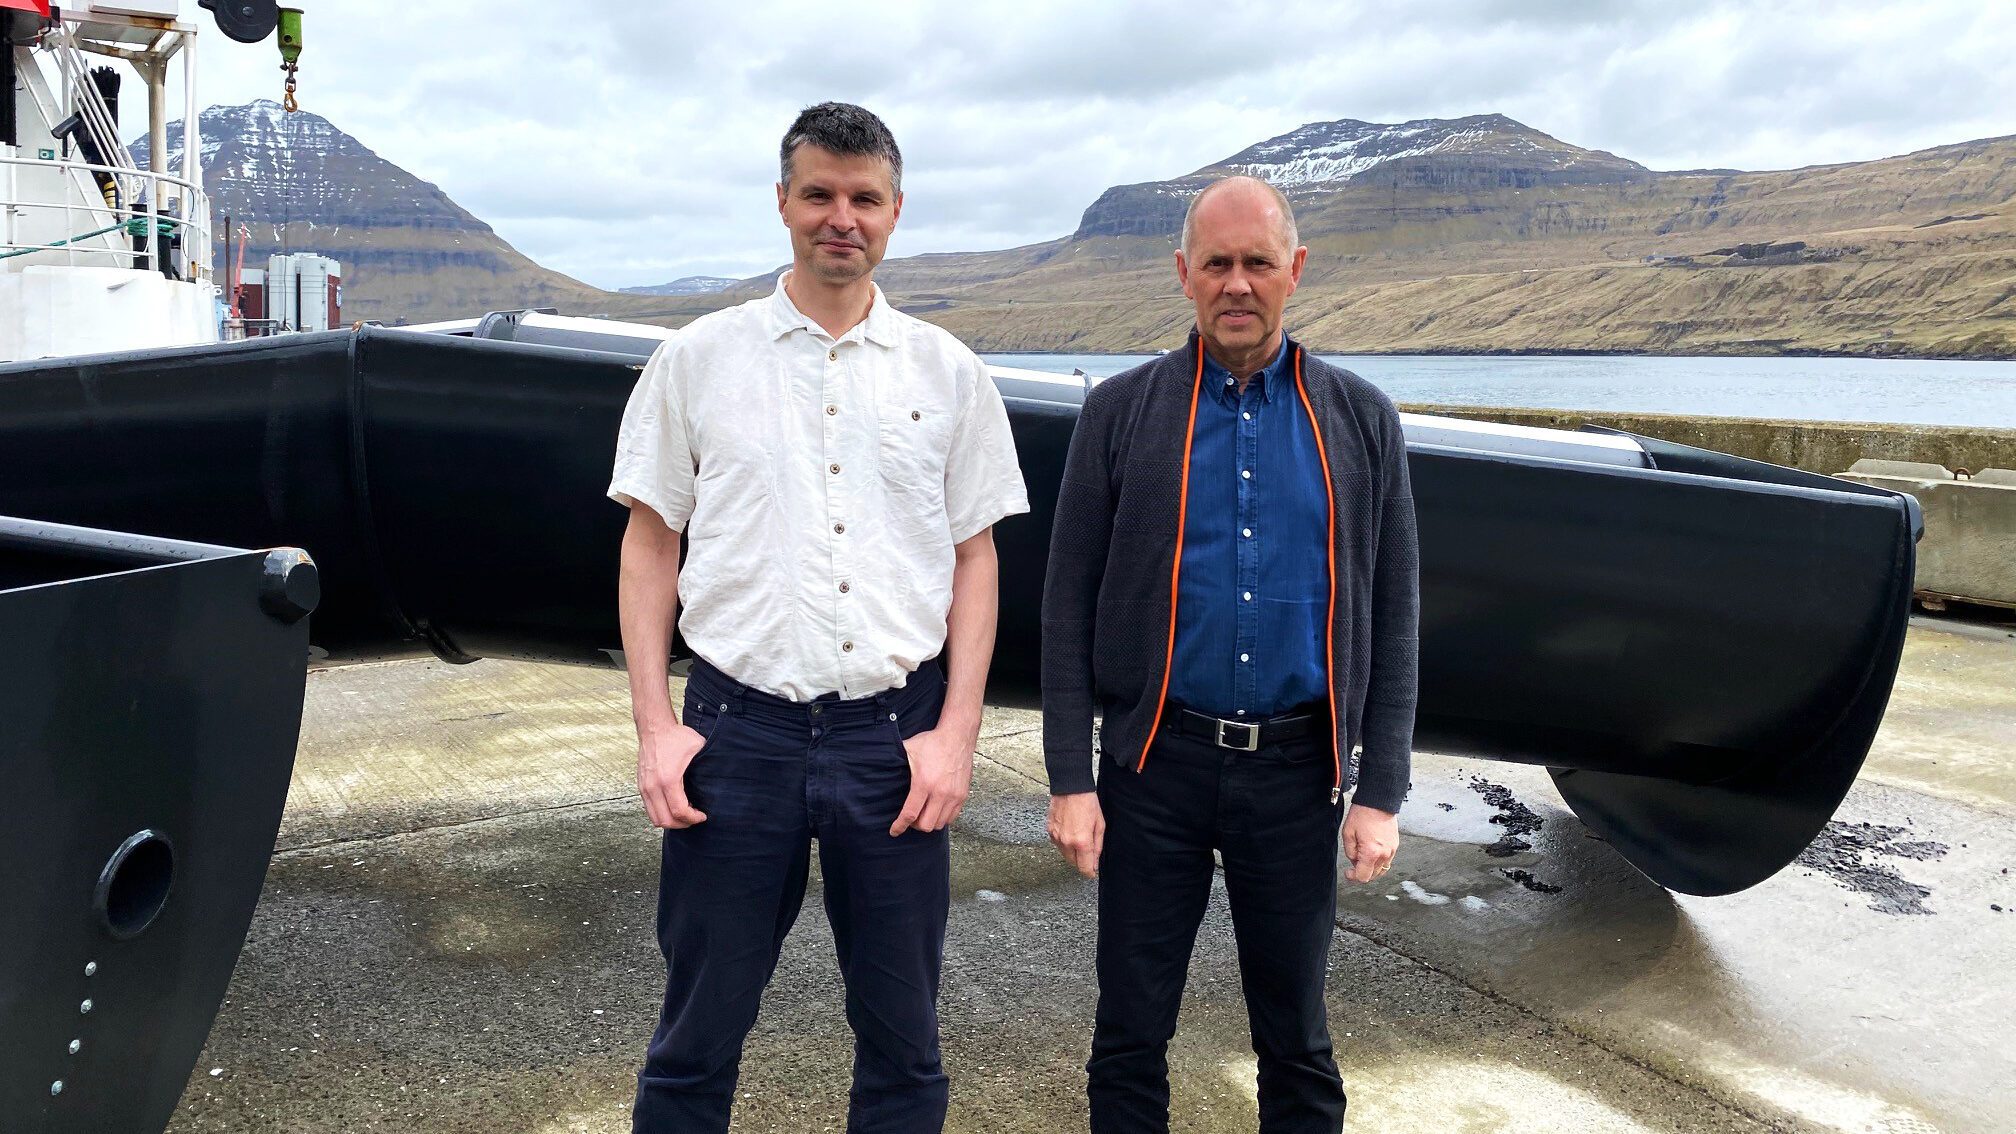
(1269, 815)
(773, 776)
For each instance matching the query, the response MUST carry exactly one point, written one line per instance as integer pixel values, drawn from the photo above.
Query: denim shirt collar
(1271, 376)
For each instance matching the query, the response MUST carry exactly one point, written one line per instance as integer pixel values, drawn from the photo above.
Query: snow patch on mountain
(1323, 154)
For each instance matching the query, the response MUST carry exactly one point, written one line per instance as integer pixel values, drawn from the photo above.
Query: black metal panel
(150, 717)
(244, 444)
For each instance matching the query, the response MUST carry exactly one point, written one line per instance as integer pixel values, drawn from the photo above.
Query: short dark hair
(842, 128)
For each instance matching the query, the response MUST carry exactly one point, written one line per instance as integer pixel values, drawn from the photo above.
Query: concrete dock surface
(456, 935)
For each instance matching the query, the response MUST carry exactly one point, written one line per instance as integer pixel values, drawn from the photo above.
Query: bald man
(1233, 588)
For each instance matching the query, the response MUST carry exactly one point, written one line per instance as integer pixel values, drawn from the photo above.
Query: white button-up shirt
(821, 484)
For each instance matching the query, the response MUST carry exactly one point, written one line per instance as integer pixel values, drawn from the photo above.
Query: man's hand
(1370, 838)
(1078, 830)
(941, 775)
(662, 759)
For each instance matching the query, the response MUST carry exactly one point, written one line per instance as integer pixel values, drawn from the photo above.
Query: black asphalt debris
(1517, 819)
(1850, 854)
(1525, 878)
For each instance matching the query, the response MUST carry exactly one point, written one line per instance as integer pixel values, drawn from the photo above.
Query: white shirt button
(1248, 415)
(1247, 532)
(1246, 474)
(1239, 712)
(1248, 596)
(1243, 657)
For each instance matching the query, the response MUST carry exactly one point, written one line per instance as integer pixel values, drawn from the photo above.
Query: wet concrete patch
(1851, 854)
(501, 975)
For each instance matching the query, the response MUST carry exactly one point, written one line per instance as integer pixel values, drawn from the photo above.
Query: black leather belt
(1248, 736)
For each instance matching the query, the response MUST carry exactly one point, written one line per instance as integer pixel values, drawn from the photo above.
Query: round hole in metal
(134, 885)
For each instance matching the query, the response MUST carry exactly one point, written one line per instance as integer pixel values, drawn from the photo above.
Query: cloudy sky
(628, 142)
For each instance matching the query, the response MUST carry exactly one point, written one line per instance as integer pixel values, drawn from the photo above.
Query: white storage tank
(304, 292)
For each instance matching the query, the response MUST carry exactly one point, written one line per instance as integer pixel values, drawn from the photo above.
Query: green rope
(164, 226)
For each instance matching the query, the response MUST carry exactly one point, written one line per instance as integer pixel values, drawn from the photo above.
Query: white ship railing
(87, 222)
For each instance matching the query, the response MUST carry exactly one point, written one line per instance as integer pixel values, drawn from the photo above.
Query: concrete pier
(1817, 446)
(456, 936)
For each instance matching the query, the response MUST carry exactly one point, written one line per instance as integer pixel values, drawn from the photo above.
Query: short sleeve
(983, 480)
(654, 448)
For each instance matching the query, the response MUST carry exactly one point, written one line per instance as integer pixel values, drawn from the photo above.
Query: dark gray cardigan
(1106, 601)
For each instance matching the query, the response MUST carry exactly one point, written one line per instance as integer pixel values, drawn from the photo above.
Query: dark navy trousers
(773, 776)
(1269, 816)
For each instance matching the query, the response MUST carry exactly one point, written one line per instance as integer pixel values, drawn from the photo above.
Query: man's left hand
(1370, 838)
(941, 775)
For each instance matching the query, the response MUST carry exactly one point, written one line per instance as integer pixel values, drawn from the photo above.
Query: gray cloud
(627, 142)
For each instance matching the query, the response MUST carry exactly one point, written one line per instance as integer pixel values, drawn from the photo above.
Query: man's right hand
(1078, 829)
(661, 776)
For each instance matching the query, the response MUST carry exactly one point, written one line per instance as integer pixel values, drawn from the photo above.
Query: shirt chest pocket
(913, 443)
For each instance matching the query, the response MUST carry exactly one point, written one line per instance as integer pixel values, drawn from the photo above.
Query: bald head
(1236, 195)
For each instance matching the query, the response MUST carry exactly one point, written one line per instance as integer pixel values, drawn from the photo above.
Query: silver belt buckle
(1252, 736)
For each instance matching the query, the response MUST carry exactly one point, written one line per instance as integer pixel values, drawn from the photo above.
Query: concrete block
(1969, 549)
(1910, 470)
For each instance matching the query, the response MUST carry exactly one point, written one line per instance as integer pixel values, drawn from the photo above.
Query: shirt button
(1243, 657)
(843, 588)
(1239, 713)
(1248, 596)
(1247, 532)
(1246, 474)
(834, 469)
(846, 647)
(832, 356)
(831, 410)
(1248, 416)
(915, 416)
(839, 529)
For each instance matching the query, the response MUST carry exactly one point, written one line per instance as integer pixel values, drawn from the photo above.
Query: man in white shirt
(834, 468)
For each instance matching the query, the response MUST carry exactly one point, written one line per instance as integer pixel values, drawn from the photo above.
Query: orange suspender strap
(1330, 548)
(1176, 568)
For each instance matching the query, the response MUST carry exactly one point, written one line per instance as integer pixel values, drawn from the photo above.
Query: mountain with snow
(300, 184)
(685, 285)
(1482, 152)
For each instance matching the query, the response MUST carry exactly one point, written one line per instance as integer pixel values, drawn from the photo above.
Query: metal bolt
(56, 1088)
(84, 1008)
(76, 1046)
(90, 968)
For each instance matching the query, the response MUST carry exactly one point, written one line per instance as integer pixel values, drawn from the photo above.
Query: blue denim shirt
(1253, 597)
